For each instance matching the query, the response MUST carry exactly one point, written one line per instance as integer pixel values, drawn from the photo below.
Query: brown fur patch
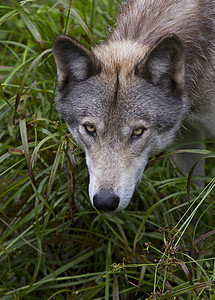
(120, 56)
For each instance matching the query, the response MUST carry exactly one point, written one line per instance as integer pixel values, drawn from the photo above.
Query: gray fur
(156, 72)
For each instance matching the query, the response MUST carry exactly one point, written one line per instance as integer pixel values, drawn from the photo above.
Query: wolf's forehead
(123, 55)
(118, 59)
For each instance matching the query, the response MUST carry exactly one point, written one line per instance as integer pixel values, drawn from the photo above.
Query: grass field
(53, 245)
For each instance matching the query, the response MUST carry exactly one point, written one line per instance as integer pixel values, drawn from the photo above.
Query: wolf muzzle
(106, 201)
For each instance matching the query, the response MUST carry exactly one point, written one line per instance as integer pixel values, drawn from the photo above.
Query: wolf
(150, 85)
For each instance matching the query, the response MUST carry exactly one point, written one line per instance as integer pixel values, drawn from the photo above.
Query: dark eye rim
(137, 136)
(91, 133)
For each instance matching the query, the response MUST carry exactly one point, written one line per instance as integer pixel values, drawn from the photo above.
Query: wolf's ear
(74, 62)
(164, 64)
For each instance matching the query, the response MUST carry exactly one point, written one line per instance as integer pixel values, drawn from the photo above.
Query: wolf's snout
(106, 201)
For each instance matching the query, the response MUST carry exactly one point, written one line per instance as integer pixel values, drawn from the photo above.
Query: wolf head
(122, 101)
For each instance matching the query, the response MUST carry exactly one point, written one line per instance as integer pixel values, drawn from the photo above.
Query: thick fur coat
(150, 85)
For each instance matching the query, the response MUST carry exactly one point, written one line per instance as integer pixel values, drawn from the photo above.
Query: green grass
(53, 245)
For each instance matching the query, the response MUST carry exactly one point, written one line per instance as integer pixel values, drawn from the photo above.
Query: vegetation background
(53, 245)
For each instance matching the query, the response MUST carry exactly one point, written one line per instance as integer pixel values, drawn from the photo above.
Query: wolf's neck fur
(148, 20)
(145, 21)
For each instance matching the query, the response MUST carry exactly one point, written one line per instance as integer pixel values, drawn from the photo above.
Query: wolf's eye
(90, 129)
(137, 132)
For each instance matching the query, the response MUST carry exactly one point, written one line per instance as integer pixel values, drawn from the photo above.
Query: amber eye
(90, 129)
(137, 132)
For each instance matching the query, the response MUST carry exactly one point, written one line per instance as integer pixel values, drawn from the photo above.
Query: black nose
(106, 201)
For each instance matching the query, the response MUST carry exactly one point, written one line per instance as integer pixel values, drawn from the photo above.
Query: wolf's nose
(106, 201)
